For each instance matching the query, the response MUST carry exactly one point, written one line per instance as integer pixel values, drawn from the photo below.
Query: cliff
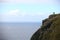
(50, 29)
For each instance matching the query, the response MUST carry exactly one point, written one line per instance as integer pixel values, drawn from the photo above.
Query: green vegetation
(50, 29)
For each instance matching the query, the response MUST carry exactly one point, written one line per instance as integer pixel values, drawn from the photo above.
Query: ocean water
(18, 31)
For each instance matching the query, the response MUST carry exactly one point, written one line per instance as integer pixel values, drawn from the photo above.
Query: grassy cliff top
(50, 29)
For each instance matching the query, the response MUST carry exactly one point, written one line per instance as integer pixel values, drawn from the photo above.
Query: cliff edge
(50, 29)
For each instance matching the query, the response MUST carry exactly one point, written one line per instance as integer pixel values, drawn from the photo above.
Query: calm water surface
(18, 31)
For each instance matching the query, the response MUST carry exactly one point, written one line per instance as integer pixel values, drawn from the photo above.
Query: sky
(27, 10)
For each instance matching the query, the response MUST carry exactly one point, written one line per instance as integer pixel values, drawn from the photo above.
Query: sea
(18, 31)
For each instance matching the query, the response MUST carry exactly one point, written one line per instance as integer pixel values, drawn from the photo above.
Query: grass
(50, 29)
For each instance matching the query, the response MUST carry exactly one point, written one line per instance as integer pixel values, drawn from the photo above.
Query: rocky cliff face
(50, 29)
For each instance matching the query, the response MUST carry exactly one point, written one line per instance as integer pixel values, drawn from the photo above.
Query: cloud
(21, 15)
(25, 1)
(13, 12)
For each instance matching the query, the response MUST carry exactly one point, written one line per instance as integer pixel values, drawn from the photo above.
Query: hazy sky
(27, 10)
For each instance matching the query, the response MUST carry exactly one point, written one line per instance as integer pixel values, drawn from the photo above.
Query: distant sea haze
(18, 31)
